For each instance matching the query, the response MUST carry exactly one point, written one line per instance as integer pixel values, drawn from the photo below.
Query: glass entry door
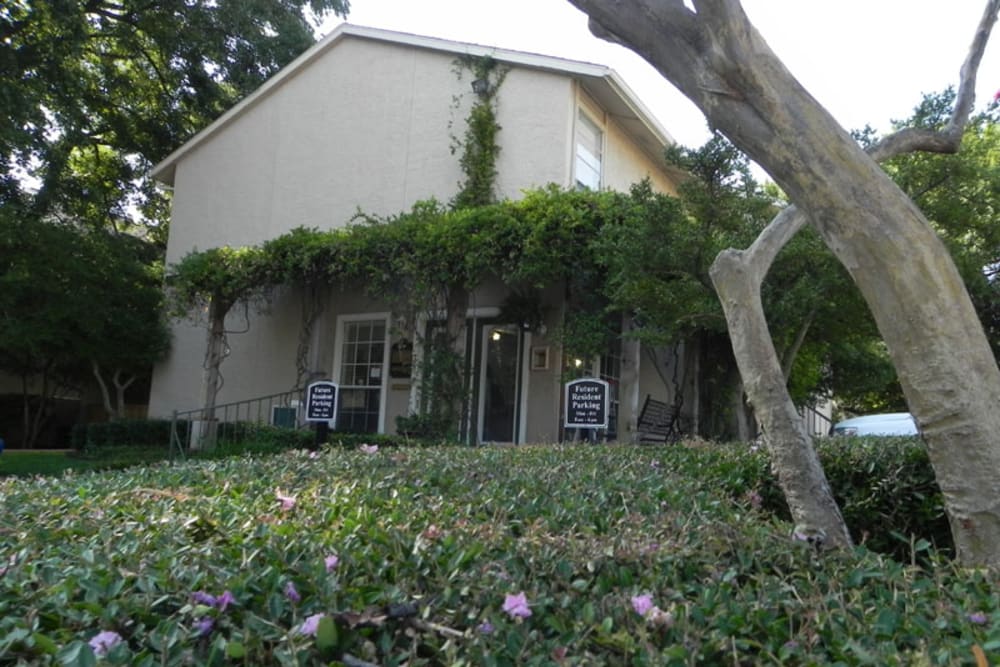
(499, 376)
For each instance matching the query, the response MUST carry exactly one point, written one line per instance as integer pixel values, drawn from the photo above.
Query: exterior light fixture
(496, 334)
(578, 362)
(481, 87)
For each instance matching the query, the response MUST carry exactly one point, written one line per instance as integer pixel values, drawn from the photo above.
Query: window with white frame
(589, 147)
(361, 373)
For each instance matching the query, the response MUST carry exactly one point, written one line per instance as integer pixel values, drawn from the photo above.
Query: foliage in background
(418, 557)
(960, 195)
(97, 92)
(77, 306)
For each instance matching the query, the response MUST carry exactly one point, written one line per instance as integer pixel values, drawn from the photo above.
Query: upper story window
(589, 143)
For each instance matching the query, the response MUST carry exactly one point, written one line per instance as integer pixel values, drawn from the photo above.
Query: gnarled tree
(716, 57)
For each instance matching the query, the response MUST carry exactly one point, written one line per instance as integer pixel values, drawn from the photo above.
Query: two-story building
(364, 120)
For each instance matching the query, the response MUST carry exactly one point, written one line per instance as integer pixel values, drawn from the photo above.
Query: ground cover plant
(478, 556)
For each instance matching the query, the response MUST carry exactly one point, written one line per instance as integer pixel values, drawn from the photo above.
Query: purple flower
(201, 597)
(368, 449)
(225, 600)
(485, 628)
(104, 641)
(642, 604)
(205, 626)
(977, 617)
(331, 562)
(292, 593)
(310, 626)
(517, 605)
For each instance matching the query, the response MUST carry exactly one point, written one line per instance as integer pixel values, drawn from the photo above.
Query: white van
(892, 423)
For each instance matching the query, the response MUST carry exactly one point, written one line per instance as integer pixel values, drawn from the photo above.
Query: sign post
(321, 408)
(587, 402)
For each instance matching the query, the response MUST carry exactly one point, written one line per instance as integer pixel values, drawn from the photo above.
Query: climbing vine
(478, 146)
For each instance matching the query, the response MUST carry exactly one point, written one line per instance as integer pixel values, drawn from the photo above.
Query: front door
(499, 371)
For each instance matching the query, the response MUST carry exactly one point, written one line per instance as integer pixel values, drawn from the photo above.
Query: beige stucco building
(365, 120)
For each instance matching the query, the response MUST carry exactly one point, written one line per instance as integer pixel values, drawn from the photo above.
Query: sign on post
(587, 403)
(321, 402)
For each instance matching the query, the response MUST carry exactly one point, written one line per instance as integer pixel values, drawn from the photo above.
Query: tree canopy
(95, 92)
(76, 305)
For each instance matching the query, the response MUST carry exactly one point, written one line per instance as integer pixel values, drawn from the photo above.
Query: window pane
(362, 356)
(587, 165)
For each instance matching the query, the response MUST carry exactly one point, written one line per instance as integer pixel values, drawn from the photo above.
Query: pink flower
(996, 96)
(331, 562)
(368, 449)
(287, 502)
(517, 605)
(104, 641)
(642, 604)
(310, 626)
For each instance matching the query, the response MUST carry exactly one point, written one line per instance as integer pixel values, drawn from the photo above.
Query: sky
(867, 61)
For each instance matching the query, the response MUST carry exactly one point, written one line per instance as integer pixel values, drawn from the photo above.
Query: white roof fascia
(164, 170)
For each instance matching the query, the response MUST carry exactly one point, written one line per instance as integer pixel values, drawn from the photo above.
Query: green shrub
(355, 440)
(432, 543)
(885, 487)
(123, 433)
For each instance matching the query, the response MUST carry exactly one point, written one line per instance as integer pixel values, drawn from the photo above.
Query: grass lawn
(26, 462)
(29, 462)
(544, 555)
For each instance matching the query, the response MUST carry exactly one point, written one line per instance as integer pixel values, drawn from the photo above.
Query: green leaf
(44, 643)
(77, 654)
(235, 650)
(326, 634)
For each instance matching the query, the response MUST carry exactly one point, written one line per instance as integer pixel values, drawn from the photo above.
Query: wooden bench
(658, 421)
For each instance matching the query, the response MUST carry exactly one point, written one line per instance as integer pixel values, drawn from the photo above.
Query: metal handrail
(203, 428)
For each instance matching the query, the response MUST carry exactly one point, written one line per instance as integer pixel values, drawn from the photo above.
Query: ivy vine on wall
(478, 145)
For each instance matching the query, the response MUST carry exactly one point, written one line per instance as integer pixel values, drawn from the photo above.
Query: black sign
(587, 404)
(321, 402)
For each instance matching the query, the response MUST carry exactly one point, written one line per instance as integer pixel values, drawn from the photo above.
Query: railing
(197, 429)
(816, 422)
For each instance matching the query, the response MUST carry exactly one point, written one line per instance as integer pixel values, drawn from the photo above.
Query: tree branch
(949, 138)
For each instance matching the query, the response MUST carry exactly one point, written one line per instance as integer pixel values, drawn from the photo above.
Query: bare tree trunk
(120, 388)
(105, 394)
(114, 410)
(793, 458)
(951, 381)
(740, 414)
(788, 359)
(313, 304)
(213, 360)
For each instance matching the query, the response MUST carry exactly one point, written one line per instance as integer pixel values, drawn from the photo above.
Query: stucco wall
(626, 164)
(364, 126)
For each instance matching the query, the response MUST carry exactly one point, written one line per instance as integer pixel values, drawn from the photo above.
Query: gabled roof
(602, 83)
